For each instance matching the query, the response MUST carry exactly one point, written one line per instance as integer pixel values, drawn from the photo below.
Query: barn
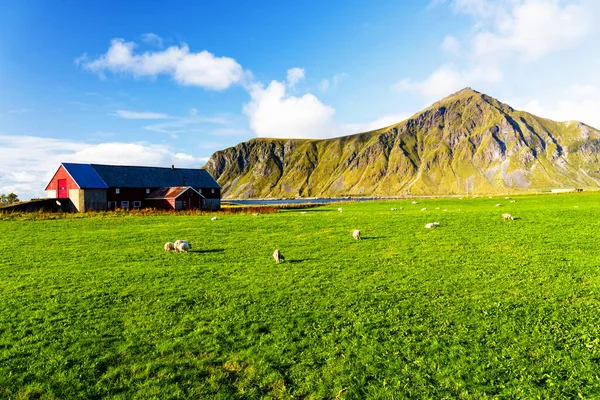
(102, 187)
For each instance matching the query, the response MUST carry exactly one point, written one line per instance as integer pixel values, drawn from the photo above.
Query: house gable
(61, 173)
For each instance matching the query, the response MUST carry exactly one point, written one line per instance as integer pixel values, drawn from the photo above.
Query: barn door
(63, 193)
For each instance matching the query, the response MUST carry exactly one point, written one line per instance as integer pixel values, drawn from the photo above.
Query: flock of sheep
(179, 246)
(183, 246)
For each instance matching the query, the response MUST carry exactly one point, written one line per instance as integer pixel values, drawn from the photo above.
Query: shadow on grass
(208, 251)
(372, 237)
(308, 210)
(299, 260)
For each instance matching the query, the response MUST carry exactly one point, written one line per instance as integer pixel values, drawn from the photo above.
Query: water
(300, 201)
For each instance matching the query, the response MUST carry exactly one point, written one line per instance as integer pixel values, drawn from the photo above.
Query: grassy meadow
(92, 307)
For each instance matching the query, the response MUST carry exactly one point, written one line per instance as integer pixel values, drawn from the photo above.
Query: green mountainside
(465, 141)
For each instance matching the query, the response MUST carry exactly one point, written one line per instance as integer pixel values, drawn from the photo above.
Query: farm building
(102, 187)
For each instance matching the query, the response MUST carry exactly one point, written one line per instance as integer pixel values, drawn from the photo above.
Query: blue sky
(152, 83)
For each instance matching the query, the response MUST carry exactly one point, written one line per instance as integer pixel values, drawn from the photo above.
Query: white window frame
(117, 191)
(147, 191)
(137, 204)
(125, 204)
(212, 191)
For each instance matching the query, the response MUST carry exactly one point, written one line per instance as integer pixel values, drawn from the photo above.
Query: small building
(175, 198)
(102, 187)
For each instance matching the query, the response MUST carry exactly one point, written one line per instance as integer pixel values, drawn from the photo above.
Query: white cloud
(335, 81)
(192, 123)
(378, 123)
(152, 39)
(338, 78)
(583, 110)
(201, 69)
(527, 29)
(448, 79)
(295, 75)
(139, 115)
(580, 90)
(451, 45)
(503, 31)
(29, 161)
(275, 113)
(323, 86)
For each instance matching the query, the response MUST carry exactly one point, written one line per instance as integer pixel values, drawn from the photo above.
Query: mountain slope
(466, 141)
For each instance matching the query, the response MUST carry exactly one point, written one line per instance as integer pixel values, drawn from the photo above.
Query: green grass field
(477, 308)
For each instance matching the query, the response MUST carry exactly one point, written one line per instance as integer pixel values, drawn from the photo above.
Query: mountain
(465, 141)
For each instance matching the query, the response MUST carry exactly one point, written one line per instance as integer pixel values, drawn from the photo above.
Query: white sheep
(507, 217)
(356, 234)
(255, 214)
(414, 202)
(423, 209)
(183, 247)
(498, 205)
(213, 219)
(278, 256)
(169, 246)
(340, 209)
(513, 201)
(393, 209)
(432, 225)
(302, 212)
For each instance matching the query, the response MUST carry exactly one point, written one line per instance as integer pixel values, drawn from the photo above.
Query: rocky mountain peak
(467, 139)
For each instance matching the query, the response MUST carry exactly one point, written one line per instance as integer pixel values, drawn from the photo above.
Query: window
(112, 205)
(212, 190)
(137, 204)
(117, 190)
(124, 204)
(147, 191)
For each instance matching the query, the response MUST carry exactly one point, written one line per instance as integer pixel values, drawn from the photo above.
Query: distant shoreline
(328, 200)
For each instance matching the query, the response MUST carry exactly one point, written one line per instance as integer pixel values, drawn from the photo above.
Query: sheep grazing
(507, 217)
(393, 209)
(414, 202)
(213, 219)
(169, 246)
(302, 212)
(423, 209)
(255, 214)
(340, 209)
(498, 205)
(356, 234)
(183, 247)
(278, 256)
(513, 201)
(432, 225)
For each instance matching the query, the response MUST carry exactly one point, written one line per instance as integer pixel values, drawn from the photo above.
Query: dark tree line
(7, 199)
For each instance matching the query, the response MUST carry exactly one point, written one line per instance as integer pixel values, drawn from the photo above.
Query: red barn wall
(61, 174)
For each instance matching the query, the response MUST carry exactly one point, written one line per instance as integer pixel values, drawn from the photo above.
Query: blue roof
(85, 176)
(97, 176)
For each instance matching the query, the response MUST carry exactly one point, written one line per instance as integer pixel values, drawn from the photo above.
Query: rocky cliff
(467, 141)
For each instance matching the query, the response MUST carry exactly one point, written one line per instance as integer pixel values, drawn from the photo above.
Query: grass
(478, 308)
